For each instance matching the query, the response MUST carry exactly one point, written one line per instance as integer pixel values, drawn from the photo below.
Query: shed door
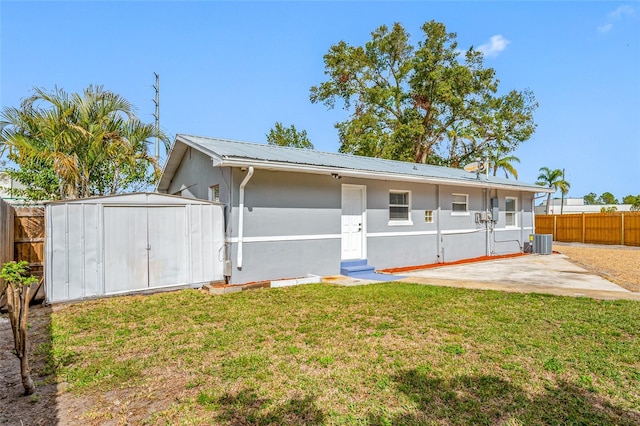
(144, 247)
(125, 249)
(167, 246)
(353, 225)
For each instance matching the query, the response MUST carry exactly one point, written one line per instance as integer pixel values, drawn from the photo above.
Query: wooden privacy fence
(594, 228)
(22, 238)
(6, 237)
(28, 237)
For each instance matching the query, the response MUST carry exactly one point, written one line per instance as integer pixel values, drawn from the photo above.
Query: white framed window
(428, 216)
(511, 208)
(460, 204)
(400, 208)
(214, 193)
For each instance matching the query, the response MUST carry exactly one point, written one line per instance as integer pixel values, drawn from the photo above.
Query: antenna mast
(157, 114)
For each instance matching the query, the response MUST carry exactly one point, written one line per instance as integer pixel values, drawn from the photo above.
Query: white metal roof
(136, 198)
(231, 153)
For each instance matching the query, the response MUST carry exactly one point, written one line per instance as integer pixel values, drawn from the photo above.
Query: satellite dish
(474, 167)
(478, 167)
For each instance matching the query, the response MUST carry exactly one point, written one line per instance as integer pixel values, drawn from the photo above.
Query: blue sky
(232, 69)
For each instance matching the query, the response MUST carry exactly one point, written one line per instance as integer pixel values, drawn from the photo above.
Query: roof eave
(175, 158)
(289, 167)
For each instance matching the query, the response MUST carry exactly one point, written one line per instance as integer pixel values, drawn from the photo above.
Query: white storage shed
(129, 243)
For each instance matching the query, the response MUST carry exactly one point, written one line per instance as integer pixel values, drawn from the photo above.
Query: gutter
(241, 215)
(365, 174)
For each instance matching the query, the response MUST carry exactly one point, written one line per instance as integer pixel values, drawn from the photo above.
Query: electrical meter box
(495, 210)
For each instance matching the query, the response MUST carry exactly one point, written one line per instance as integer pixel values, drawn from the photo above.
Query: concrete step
(353, 262)
(349, 270)
(357, 266)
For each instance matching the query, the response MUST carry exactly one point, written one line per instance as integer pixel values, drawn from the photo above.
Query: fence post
(583, 229)
(622, 229)
(6, 240)
(554, 228)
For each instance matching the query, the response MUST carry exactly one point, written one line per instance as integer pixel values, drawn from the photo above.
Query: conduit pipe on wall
(241, 215)
(486, 223)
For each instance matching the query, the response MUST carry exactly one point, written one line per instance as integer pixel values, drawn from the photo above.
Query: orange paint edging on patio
(457, 262)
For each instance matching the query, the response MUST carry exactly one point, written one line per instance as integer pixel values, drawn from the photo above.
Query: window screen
(398, 206)
(459, 203)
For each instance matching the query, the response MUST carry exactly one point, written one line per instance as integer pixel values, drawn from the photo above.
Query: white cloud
(496, 44)
(614, 16)
(621, 12)
(605, 28)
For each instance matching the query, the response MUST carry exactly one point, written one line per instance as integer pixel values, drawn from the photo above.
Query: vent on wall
(542, 243)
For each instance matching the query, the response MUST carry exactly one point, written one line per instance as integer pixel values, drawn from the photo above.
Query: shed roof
(134, 198)
(226, 152)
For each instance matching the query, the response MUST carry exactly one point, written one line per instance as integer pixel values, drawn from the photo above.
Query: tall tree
(91, 142)
(634, 200)
(630, 199)
(607, 198)
(552, 179)
(425, 103)
(288, 136)
(590, 199)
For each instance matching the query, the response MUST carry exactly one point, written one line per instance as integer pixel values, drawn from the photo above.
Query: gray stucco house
(292, 212)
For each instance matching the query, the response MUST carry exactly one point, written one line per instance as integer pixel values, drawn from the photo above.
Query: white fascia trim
(171, 165)
(276, 238)
(216, 160)
(287, 167)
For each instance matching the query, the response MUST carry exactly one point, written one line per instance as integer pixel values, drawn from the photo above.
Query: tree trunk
(18, 307)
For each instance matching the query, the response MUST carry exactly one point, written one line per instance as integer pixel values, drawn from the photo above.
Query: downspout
(521, 220)
(533, 214)
(241, 215)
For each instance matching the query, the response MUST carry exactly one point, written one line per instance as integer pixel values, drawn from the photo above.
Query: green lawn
(370, 355)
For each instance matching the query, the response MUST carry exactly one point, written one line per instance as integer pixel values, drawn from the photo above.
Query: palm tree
(505, 163)
(553, 179)
(92, 141)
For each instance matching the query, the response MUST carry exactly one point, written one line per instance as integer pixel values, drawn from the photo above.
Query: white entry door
(353, 222)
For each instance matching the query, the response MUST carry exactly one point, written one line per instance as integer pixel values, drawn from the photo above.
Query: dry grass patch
(620, 265)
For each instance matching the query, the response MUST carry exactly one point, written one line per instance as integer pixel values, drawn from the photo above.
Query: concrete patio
(550, 274)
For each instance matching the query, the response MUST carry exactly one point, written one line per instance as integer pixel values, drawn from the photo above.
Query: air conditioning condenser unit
(542, 243)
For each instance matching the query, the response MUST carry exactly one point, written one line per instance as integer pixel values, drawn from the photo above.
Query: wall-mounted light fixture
(336, 176)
